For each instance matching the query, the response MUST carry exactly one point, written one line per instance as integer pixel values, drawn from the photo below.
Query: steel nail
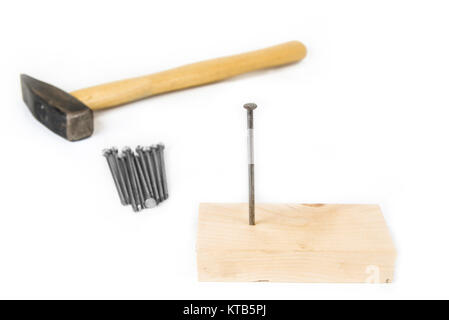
(138, 183)
(132, 177)
(250, 124)
(121, 161)
(120, 175)
(154, 154)
(126, 170)
(114, 171)
(144, 166)
(160, 148)
(152, 172)
(143, 182)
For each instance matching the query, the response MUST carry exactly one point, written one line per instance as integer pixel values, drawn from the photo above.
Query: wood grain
(294, 243)
(124, 91)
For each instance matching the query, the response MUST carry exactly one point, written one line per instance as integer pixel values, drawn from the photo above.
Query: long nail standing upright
(249, 111)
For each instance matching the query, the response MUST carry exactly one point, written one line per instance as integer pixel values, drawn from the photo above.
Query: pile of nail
(139, 176)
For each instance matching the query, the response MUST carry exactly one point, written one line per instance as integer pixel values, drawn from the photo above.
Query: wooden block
(294, 243)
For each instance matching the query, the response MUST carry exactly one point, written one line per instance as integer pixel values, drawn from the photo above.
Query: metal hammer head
(58, 110)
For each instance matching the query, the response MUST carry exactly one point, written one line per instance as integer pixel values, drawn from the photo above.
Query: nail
(250, 124)
(144, 166)
(142, 179)
(120, 175)
(152, 172)
(108, 154)
(140, 193)
(157, 165)
(132, 177)
(126, 170)
(122, 167)
(160, 148)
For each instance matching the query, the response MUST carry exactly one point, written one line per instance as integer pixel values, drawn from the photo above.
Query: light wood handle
(124, 91)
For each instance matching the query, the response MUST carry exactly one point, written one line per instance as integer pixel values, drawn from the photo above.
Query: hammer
(70, 115)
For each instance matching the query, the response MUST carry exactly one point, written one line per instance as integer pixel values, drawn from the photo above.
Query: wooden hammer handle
(124, 91)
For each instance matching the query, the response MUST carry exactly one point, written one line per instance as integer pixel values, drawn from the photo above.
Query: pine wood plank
(294, 243)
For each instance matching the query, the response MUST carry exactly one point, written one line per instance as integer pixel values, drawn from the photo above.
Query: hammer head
(58, 110)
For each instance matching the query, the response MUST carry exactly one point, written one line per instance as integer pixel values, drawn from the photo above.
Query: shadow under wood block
(343, 243)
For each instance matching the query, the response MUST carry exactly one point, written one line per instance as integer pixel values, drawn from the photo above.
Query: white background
(363, 119)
